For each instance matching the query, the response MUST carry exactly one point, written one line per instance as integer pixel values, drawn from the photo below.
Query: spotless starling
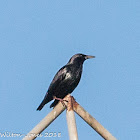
(65, 80)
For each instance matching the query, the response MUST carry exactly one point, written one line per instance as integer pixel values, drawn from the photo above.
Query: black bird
(65, 80)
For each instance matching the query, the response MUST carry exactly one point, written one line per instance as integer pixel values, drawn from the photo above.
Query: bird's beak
(89, 56)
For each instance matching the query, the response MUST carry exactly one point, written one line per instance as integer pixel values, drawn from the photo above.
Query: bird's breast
(73, 75)
(68, 75)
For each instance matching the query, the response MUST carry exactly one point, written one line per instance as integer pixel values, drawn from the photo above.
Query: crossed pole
(71, 106)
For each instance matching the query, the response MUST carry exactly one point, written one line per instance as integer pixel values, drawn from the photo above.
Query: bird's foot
(61, 100)
(73, 98)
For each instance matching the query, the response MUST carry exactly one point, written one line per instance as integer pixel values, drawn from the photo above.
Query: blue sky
(38, 37)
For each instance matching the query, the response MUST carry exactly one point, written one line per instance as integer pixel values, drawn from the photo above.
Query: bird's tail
(41, 105)
(46, 99)
(54, 103)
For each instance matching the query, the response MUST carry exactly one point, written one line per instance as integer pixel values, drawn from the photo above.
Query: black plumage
(65, 80)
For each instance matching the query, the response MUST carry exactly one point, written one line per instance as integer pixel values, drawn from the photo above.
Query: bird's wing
(59, 77)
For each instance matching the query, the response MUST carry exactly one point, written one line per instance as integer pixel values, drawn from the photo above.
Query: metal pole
(45, 122)
(71, 120)
(72, 105)
(92, 122)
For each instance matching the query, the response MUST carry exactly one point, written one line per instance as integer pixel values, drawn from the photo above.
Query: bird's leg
(61, 100)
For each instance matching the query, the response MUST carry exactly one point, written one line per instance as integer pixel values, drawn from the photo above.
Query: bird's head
(79, 58)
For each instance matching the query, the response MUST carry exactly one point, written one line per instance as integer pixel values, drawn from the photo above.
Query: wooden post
(71, 120)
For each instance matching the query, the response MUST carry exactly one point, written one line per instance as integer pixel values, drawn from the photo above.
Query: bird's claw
(61, 100)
